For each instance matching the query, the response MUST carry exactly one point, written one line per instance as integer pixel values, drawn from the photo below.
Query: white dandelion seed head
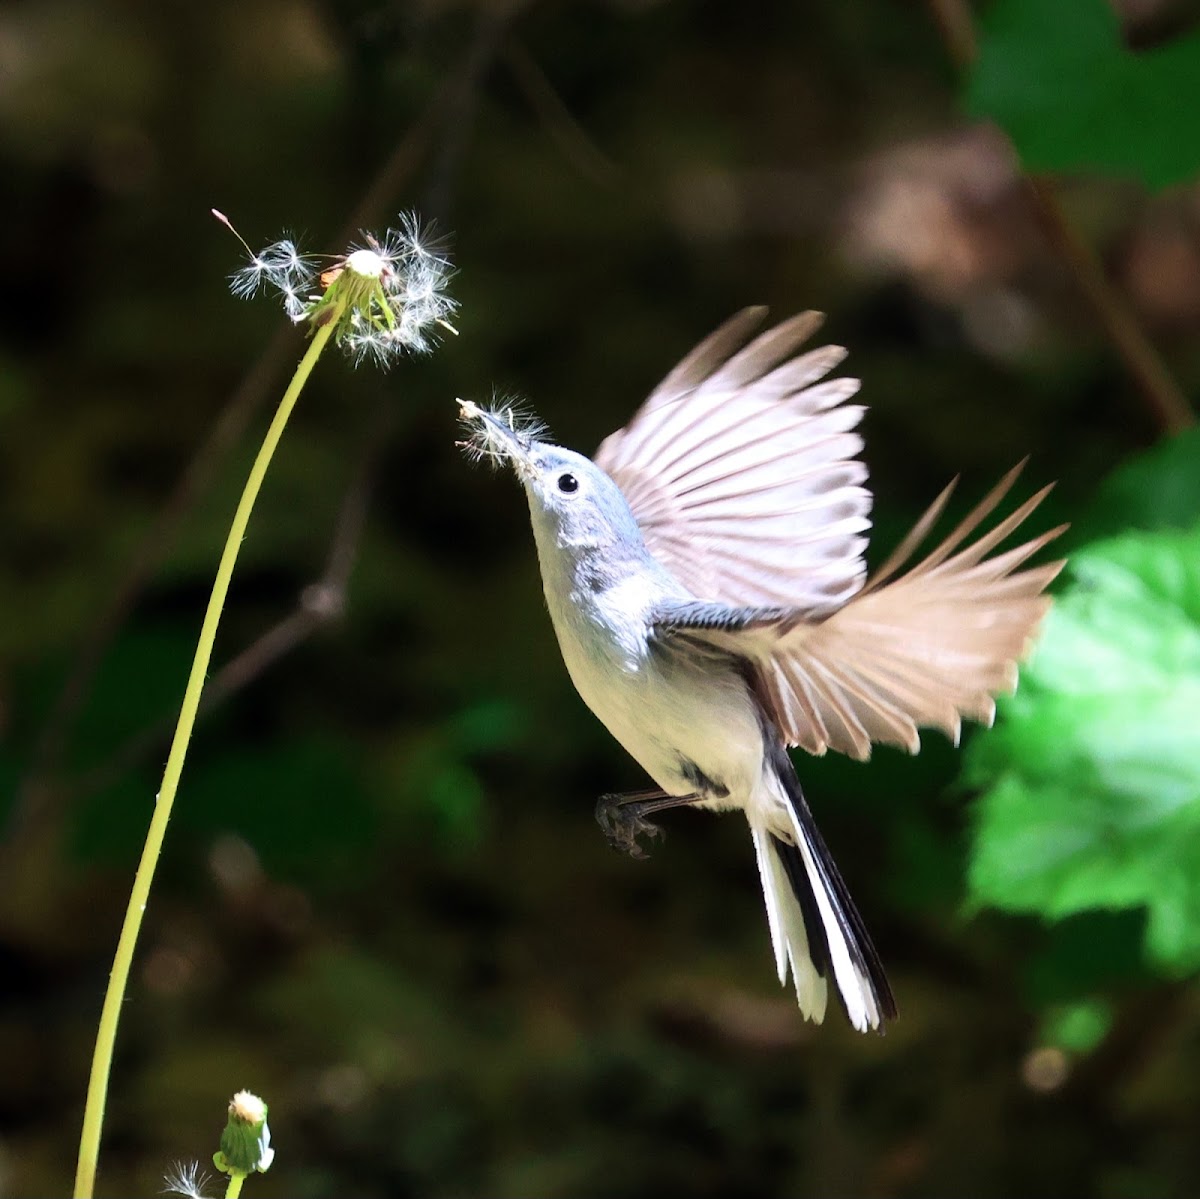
(186, 1178)
(367, 262)
(387, 296)
(410, 305)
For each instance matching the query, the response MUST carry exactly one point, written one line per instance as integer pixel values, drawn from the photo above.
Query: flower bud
(246, 1141)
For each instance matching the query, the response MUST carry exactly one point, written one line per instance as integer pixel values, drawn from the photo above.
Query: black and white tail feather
(816, 931)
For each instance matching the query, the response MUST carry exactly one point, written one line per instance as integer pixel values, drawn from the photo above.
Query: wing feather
(716, 347)
(925, 649)
(742, 469)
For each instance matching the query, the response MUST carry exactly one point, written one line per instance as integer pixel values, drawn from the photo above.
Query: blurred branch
(320, 603)
(1166, 401)
(957, 27)
(1162, 395)
(489, 34)
(35, 790)
(578, 147)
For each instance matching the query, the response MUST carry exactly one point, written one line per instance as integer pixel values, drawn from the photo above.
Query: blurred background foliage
(384, 904)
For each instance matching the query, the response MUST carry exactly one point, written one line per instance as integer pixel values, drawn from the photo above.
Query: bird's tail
(815, 927)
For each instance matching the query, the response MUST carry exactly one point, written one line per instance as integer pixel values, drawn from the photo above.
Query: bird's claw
(622, 823)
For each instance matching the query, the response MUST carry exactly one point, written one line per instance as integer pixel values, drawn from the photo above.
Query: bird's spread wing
(742, 470)
(923, 649)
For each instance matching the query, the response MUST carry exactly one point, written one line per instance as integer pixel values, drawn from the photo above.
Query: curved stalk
(106, 1034)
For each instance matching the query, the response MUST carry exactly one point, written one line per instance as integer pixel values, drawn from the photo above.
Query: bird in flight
(706, 581)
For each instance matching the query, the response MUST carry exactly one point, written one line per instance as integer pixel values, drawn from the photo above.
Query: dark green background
(384, 904)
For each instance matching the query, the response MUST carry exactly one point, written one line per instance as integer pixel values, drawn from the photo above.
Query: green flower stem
(234, 1189)
(106, 1034)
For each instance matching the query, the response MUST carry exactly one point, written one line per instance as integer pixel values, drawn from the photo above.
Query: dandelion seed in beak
(501, 433)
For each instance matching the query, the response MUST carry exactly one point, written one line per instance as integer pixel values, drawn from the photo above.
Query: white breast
(666, 712)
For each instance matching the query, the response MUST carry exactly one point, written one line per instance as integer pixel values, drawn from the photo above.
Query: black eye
(568, 483)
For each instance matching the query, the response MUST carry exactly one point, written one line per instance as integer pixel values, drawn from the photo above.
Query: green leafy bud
(246, 1141)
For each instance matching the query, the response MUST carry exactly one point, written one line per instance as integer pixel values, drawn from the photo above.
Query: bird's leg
(623, 817)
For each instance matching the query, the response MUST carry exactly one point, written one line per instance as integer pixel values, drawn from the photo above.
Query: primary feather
(742, 470)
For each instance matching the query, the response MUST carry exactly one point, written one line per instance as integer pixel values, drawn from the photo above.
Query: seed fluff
(387, 294)
(490, 430)
(186, 1178)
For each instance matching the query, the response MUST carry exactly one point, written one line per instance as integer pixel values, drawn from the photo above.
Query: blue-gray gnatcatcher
(705, 579)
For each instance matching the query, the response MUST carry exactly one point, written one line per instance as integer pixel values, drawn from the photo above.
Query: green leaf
(1092, 774)
(1158, 489)
(1056, 76)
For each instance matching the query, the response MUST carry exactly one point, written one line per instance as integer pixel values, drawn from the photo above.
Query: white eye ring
(568, 483)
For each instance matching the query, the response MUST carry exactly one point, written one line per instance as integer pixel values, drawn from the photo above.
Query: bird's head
(573, 504)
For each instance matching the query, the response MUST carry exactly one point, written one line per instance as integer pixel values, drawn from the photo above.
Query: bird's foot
(623, 818)
(622, 823)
